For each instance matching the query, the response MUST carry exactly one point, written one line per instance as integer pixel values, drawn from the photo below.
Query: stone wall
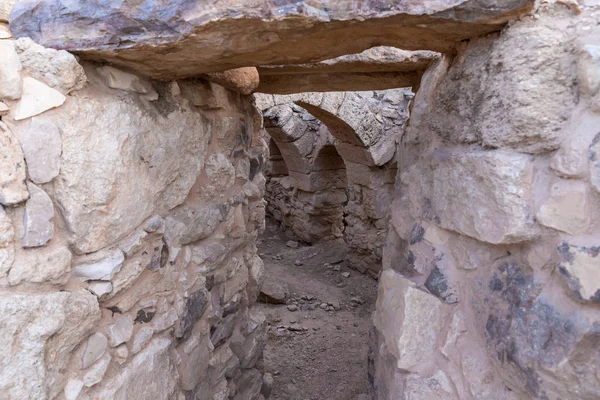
(351, 146)
(490, 278)
(128, 219)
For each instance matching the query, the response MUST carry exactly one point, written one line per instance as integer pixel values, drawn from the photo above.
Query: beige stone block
(108, 141)
(42, 147)
(36, 99)
(151, 369)
(408, 319)
(567, 208)
(41, 331)
(38, 220)
(486, 195)
(56, 68)
(10, 72)
(49, 264)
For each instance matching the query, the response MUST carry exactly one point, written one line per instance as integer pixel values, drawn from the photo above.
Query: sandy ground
(312, 352)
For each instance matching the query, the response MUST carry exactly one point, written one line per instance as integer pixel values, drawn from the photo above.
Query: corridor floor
(318, 342)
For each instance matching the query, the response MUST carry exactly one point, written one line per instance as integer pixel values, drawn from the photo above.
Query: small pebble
(346, 274)
(292, 307)
(337, 268)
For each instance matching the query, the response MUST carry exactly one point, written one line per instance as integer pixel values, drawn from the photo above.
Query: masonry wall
(490, 278)
(129, 215)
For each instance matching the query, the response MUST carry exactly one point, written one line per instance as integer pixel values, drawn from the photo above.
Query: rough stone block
(567, 208)
(121, 80)
(38, 219)
(49, 264)
(42, 147)
(111, 140)
(486, 195)
(182, 40)
(580, 267)
(13, 189)
(99, 266)
(120, 331)
(7, 240)
(151, 374)
(594, 162)
(408, 319)
(36, 99)
(95, 347)
(41, 331)
(10, 72)
(56, 68)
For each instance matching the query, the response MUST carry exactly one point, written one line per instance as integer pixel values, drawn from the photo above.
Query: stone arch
(364, 129)
(308, 201)
(276, 164)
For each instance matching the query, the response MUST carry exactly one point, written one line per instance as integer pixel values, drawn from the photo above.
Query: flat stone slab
(378, 68)
(182, 38)
(375, 59)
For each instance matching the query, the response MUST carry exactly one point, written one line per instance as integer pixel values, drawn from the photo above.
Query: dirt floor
(318, 341)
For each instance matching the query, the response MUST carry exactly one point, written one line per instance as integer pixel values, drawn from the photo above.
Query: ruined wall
(351, 146)
(128, 219)
(491, 266)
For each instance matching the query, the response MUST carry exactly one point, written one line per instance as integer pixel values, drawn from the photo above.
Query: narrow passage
(318, 333)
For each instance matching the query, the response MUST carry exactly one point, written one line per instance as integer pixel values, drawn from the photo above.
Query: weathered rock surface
(40, 331)
(185, 39)
(108, 140)
(56, 68)
(39, 217)
(378, 68)
(42, 147)
(13, 189)
(10, 72)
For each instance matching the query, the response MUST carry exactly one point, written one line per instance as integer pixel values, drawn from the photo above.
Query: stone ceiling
(183, 38)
